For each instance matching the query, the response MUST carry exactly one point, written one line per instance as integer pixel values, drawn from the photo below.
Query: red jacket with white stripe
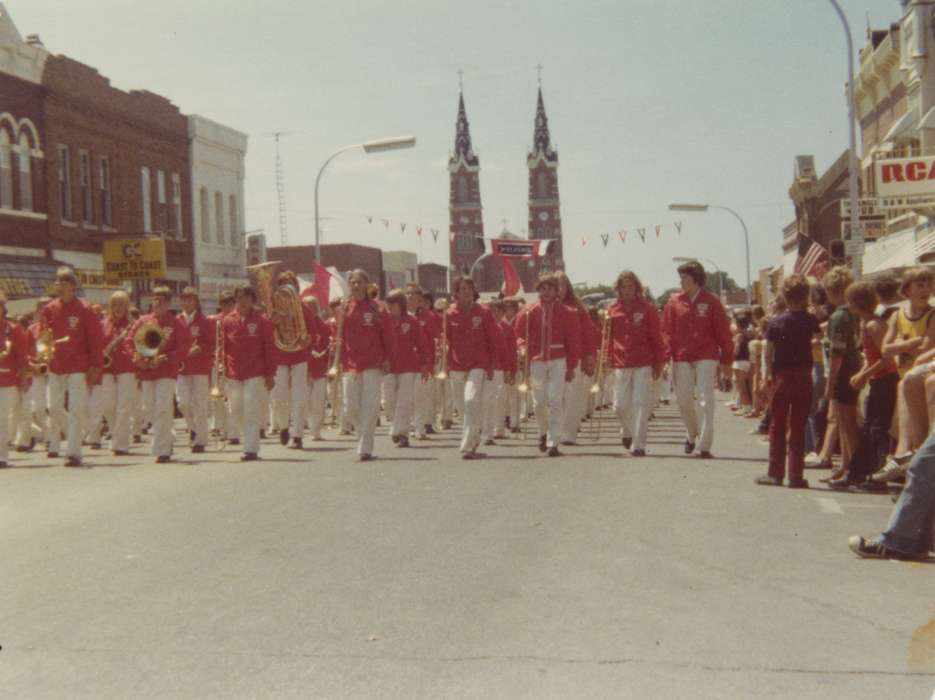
(247, 346)
(635, 335)
(411, 349)
(697, 329)
(203, 332)
(549, 331)
(366, 336)
(472, 339)
(84, 347)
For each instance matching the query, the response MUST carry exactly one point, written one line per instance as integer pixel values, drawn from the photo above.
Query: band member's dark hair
(373, 291)
(397, 296)
(631, 276)
(162, 291)
(547, 279)
(226, 297)
(427, 295)
(66, 274)
(359, 273)
(695, 270)
(189, 291)
(458, 281)
(245, 290)
(287, 277)
(572, 298)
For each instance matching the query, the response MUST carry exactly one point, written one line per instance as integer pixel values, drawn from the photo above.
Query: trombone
(441, 363)
(598, 386)
(334, 372)
(523, 387)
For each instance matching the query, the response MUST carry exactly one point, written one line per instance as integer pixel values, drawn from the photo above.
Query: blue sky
(649, 102)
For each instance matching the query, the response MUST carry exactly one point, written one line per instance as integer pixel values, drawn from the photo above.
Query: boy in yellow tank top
(910, 342)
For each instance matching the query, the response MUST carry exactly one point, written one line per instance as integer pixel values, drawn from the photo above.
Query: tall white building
(217, 155)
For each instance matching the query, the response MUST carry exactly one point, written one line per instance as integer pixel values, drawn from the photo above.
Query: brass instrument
(149, 341)
(112, 345)
(45, 351)
(441, 360)
(523, 386)
(601, 355)
(216, 391)
(283, 306)
(335, 368)
(7, 347)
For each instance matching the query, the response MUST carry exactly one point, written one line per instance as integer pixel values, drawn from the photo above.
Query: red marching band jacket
(587, 347)
(553, 332)
(76, 330)
(15, 362)
(247, 346)
(121, 357)
(175, 347)
(506, 348)
(634, 335)
(412, 351)
(472, 338)
(318, 356)
(290, 358)
(366, 336)
(203, 332)
(697, 329)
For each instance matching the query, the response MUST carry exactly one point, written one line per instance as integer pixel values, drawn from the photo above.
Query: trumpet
(149, 341)
(45, 351)
(442, 354)
(601, 356)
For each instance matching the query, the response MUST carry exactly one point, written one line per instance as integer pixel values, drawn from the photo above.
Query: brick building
(817, 206)
(434, 278)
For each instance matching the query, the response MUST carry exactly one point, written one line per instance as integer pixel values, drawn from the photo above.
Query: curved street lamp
(746, 235)
(377, 146)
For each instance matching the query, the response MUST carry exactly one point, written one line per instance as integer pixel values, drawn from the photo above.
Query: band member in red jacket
(158, 365)
(410, 361)
(576, 392)
(364, 339)
(697, 332)
(76, 364)
(249, 367)
(220, 407)
(14, 372)
(193, 388)
(472, 349)
(419, 304)
(38, 390)
(119, 391)
(504, 369)
(549, 332)
(636, 354)
(318, 365)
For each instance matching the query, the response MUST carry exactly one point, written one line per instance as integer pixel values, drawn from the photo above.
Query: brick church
(466, 228)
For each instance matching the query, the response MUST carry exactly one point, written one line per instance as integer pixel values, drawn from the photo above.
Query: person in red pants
(789, 373)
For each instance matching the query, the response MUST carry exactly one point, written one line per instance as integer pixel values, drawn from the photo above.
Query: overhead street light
(746, 235)
(376, 146)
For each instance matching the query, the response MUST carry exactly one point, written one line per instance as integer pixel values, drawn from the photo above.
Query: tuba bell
(283, 306)
(148, 342)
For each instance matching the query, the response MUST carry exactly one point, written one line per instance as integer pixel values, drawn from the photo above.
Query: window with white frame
(6, 172)
(177, 207)
(232, 219)
(219, 216)
(205, 215)
(84, 175)
(64, 183)
(147, 200)
(106, 203)
(161, 186)
(25, 174)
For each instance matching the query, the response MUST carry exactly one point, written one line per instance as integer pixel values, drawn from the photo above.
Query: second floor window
(147, 201)
(6, 172)
(107, 214)
(87, 212)
(176, 211)
(64, 183)
(219, 216)
(232, 220)
(25, 174)
(205, 215)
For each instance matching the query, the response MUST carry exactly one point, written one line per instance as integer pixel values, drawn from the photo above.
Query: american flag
(814, 263)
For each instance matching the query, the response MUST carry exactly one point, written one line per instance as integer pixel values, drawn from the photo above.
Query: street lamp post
(377, 146)
(856, 232)
(746, 235)
(720, 273)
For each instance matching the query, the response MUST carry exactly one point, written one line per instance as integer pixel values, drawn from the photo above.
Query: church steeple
(463, 149)
(541, 139)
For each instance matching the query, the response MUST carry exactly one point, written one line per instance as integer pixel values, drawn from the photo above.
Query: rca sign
(905, 176)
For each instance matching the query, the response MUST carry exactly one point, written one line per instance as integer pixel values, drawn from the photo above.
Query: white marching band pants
(468, 391)
(547, 380)
(247, 401)
(696, 379)
(633, 402)
(493, 407)
(119, 396)
(157, 396)
(7, 399)
(71, 423)
(362, 398)
(39, 400)
(425, 404)
(576, 405)
(317, 395)
(194, 396)
(400, 394)
(290, 398)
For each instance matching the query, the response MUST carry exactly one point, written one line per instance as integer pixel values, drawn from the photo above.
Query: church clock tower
(466, 225)
(545, 219)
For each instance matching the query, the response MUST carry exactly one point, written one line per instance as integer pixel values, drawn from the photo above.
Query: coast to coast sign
(134, 259)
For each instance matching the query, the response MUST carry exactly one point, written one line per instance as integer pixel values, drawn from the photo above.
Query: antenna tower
(280, 191)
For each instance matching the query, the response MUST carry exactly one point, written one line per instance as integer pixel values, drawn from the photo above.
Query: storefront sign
(134, 259)
(903, 177)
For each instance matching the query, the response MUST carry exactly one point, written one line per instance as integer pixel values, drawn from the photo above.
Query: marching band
(272, 358)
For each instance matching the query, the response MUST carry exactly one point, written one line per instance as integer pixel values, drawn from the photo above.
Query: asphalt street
(419, 575)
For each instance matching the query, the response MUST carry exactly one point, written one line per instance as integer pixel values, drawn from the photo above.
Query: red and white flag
(512, 248)
(327, 285)
(814, 263)
(511, 282)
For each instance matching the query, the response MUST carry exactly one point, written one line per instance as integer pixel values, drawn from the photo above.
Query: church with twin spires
(466, 227)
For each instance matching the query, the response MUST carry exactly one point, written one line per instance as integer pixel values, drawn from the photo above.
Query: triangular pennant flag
(605, 237)
(623, 235)
(642, 232)
(402, 228)
(386, 223)
(658, 230)
(369, 219)
(584, 241)
(435, 235)
(419, 231)
(678, 226)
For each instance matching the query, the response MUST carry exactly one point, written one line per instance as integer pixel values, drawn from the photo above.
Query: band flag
(511, 281)
(527, 249)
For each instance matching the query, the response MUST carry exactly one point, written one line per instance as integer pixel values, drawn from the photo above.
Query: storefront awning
(24, 277)
(904, 126)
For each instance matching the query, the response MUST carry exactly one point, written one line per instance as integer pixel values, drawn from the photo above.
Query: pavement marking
(829, 505)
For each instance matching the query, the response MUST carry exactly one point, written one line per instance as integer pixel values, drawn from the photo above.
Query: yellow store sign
(134, 259)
